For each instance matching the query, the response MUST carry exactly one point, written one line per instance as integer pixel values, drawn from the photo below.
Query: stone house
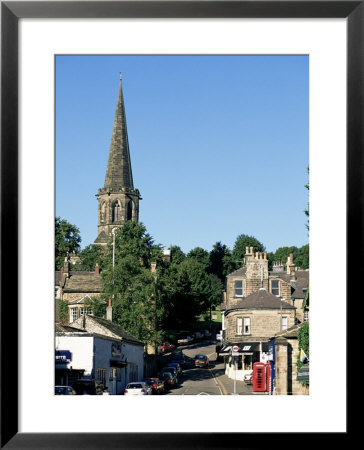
(76, 288)
(249, 324)
(258, 304)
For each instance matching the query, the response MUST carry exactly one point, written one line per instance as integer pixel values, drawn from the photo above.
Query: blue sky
(218, 144)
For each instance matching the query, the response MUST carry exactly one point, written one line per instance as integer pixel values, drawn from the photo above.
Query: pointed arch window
(103, 212)
(129, 211)
(116, 212)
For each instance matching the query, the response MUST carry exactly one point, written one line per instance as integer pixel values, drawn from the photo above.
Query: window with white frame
(305, 315)
(284, 322)
(85, 311)
(73, 314)
(275, 287)
(239, 325)
(246, 325)
(238, 288)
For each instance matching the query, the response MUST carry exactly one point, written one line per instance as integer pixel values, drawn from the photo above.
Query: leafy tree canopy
(177, 255)
(67, 240)
(200, 255)
(91, 255)
(243, 241)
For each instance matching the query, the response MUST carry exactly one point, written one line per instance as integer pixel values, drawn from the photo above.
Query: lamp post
(113, 260)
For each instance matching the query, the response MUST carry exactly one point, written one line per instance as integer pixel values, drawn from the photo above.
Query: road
(198, 381)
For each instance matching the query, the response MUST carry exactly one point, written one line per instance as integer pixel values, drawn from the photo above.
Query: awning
(244, 348)
(114, 363)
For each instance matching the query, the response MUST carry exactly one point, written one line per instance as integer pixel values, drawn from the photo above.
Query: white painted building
(102, 350)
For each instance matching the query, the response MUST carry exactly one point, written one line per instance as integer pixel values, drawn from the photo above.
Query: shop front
(240, 356)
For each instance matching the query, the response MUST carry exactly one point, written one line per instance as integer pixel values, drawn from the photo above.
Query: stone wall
(286, 368)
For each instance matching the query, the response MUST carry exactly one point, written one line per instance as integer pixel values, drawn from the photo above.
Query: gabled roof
(105, 327)
(80, 300)
(87, 282)
(261, 299)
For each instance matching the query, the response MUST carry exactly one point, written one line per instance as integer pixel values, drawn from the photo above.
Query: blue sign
(63, 356)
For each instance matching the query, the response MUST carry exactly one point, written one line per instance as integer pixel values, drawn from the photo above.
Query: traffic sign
(235, 350)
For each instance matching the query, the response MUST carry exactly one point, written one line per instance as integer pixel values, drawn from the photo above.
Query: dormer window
(238, 287)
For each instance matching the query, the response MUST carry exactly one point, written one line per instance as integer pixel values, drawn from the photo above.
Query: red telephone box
(259, 377)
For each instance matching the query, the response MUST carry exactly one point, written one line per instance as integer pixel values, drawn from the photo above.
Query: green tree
(91, 255)
(282, 253)
(131, 283)
(177, 255)
(304, 341)
(200, 255)
(67, 240)
(62, 311)
(220, 261)
(243, 241)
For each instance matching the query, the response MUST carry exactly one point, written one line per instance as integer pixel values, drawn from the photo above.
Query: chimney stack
(109, 311)
(291, 268)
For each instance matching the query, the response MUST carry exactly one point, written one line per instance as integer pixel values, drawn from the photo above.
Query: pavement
(227, 384)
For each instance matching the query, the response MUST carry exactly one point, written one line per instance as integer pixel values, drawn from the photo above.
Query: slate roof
(60, 328)
(238, 272)
(109, 328)
(102, 238)
(261, 299)
(88, 282)
(302, 282)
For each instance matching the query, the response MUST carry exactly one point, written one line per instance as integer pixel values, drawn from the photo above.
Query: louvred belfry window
(116, 212)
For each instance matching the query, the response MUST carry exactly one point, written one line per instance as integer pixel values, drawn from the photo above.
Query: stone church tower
(118, 201)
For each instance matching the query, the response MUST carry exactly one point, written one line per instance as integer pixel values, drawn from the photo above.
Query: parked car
(167, 379)
(88, 387)
(138, 388)
(177, 356)
(177, 366)
(167, 347)
(201, 361)
(206, 333)
(64, 390)
(197, 335)
(171, 369)
(174, 380)
(185, 340)
(156, 384)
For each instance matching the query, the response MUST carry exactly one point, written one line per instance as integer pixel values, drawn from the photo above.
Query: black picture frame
(11, 12)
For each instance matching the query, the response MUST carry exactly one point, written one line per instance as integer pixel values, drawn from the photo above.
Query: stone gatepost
(281, 366)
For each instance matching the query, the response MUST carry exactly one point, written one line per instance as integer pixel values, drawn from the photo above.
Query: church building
(118, 202)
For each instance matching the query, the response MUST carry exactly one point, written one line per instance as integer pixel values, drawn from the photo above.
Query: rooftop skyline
(218, 144)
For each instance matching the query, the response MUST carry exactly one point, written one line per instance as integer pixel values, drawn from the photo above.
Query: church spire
(119, 173)
(118, 201)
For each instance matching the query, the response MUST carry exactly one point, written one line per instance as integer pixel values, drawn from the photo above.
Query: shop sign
(116, 349)
(63, 356)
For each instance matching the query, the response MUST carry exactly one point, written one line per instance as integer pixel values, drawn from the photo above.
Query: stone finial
(97, 269)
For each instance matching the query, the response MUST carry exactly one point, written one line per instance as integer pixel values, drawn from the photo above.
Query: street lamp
(113, 261)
